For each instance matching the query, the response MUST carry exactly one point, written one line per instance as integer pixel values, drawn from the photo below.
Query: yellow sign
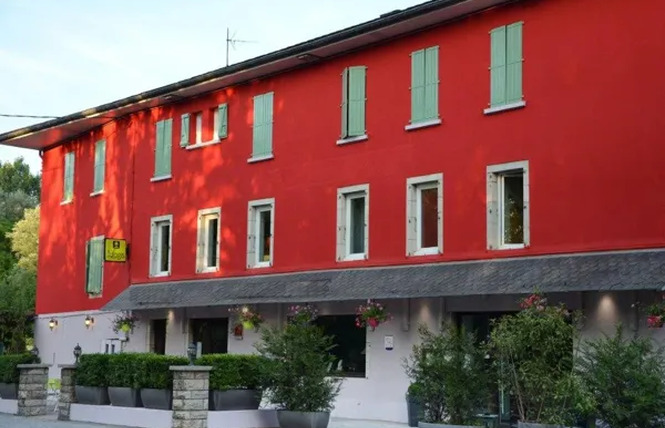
(115, 250)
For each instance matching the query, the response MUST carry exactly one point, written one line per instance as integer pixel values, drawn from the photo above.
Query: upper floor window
(424, 228)
(204, 127)
(424, 87)
(160, 245)
(262, 128)
(207, 249)
(94, 266)
(163, 142)
(352, 222)
(100, 161)
(353, 104)
(508, 205)
(68, 182)
(261, 223)
(506, 68)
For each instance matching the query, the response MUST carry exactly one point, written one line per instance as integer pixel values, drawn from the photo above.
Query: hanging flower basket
(302, 314)
(535, 301)
(248, 317)
(124, 322)
(656, 314)
(655, 321)
(371, 315)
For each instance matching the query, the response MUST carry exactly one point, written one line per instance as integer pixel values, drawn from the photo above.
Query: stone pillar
(67, 395)
(190, 396)
(32, 389)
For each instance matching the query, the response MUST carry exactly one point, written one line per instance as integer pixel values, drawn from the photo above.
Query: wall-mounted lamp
(89, 321)
(53, 323)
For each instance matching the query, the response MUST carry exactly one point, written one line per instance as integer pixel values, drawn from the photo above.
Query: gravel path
(9, 421)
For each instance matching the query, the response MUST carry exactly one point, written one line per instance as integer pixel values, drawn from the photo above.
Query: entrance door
(158, 336)
(211, 335)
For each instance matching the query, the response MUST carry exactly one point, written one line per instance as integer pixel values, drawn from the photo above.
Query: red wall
(591, 131)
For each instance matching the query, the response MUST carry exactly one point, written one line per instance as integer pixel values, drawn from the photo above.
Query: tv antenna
(231, 42)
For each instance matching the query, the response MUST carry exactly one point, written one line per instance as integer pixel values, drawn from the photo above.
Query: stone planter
(413, 410)
(157, 398)
(289, 419)
(9, 391)
(430, 425)
(535, 425)
(235, 399)
(97, 395)
(124, 397)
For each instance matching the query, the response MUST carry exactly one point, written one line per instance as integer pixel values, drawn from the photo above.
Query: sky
(60, 57)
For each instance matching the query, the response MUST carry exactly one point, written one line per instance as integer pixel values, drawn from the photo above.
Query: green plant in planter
(92, 370)
(449, 375)
(533, 355)
(9, 372)
(625, 376)
(231, 371)
(297, 377)
(154, 370)
(123, 370)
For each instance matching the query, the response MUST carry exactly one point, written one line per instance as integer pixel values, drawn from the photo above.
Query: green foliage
(449, 375)
(624, 377)
(16, 176)
(124, 370)
(234, 371)
(533, 354)
(17, 304)
(25, 239)
(297, 375)
(154, 372)
(92, 370)
(9, 372)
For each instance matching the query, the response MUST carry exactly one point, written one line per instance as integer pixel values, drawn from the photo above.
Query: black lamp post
(77, 352)
(35, 353)
(191, 353)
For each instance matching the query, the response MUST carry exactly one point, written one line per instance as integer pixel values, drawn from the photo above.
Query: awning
(603, 271)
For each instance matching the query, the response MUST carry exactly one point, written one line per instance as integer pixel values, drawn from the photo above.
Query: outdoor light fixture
(53, 323)
(89, 321)
(77, 352)
(191, 353)
(34, 352)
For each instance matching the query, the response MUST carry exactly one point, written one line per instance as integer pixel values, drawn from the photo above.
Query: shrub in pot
(91, 382)
(452, 377)
(533, 355)
(234, 381)
(156, 379)
(625, 378)
(9, 373)
(123, 372)
(297, 379)
(413, 405)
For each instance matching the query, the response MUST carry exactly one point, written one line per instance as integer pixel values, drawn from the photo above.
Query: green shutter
(87, 266)
(514, 62)
(159, 148)
(167, 142)
(222, 121)
(68, 179)
(432, 83)
(262, 132)
(100, 165)
(345, 103)
(498, 66)
(417, 86)
(94, 266)
(356, 101)
(184, 130)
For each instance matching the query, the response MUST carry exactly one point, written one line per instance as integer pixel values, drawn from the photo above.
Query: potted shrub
(533, 355)
(123, 380)
(624, 377)
(9, 373)
(234, 381)
(413, 405)
(156, 379)
(91, 382)
(450, 371)
(297, 377)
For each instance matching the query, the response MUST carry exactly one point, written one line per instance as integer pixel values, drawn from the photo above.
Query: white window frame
(495, 217)
(344, 196)
(255, 208)
(414, 186)
(101, 284)
(202, 239)
(155, 247)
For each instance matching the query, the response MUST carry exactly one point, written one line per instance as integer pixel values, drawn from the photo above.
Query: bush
(449, 375)
(233, 371)
(154, 372)
(124, 370)
(9, 372)
(624, 376)
(92, 370)
(297, 374)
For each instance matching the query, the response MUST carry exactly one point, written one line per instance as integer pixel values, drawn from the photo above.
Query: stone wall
(32, 389)
(67, 395)
(190, 396)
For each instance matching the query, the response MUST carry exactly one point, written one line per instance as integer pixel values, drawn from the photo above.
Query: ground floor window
(158, 336)
(210, 335)
(350, 343)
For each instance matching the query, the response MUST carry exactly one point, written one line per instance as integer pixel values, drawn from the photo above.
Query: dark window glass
(212, 242)
(264, 236)
(158, 332)
(429, 218)
(165, 231)
(513, 209)
(212, 333)
(357, 226)
(350, 343)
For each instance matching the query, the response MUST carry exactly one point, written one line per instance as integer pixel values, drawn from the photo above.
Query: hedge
(9, 372)
(124, 370)
(154, 372)
(92, 370)
(234, 371)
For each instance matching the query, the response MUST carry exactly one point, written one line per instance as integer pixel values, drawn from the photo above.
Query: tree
(17, 305)
(16, 176)
(25, 239)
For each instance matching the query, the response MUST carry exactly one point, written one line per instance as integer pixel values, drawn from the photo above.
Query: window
(111, 346)
(424, 228)
(506, 68)
(207, 250)
(94, 266)
(350, 344)
(199, 128)
(160, 246)
(220, 118)
(163, 149)
(158, 336)
(211, 335)
(425, 86)
(68, 182)
(260, 233)
(352, 222)
(508, 205)
(262, 134)
(215, 119)
(353, 104)
(100, 160)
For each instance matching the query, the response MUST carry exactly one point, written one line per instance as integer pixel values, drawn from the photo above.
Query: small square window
(160, 246)
(424, 228)
(508, 206)
(207, 250)
(260, 233)
(352, 223)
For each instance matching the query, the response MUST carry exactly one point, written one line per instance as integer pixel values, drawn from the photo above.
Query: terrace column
(190, 396)
(67, 396)
(32, 390)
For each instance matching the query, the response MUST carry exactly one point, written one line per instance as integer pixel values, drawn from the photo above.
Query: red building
(465, 151)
